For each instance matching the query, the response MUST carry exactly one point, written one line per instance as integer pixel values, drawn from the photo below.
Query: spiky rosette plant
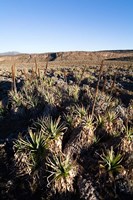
(127, 140)
(73, 92)
(31, 97)
(30, 152)
(100, 121)
(129, 133)
(104, 102)
(28, 98)
(111, 122)
(82, 136)
(50, 98)
(53, 131)
(69, 120)
(111, 162)
(80, 113)
(16, 101)
(15, 98)
(62, 172)
(88, 129)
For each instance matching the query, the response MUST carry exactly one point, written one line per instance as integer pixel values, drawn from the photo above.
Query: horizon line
(45, 52)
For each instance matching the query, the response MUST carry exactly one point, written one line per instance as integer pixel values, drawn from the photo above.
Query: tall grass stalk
(82, 74)
(13, 69)
(65, 75)
(36, 67)
(96, 92)
(33, 73)
(104, 84)
(113, 84)
(45, 70)
(39, 73)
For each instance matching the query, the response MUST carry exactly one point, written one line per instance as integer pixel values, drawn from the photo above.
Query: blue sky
(65, 25)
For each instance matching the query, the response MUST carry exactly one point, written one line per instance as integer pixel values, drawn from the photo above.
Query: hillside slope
(72, 56)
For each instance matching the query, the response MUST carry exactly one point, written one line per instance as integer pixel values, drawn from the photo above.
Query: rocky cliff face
(122, 55)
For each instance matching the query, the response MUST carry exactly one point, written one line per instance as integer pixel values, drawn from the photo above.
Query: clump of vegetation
(62, 172)
(30, 153)
(111, 162)
(70, 129)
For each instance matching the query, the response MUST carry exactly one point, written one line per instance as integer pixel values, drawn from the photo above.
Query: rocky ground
(88, 136)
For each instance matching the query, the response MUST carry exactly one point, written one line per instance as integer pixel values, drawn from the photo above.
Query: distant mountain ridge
(10, 53)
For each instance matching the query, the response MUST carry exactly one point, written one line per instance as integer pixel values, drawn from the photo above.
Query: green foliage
(100, 121)
(51, 129)
(49, 98)
(73, 91)
(30, 98)
(15, 98)
(69, 119)
(34, 146)
(129, 132)
(111, 162)
(60, 166)
(111, 116)
(88, 122)
(96, 139)
(60, 169)
(80, 111)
